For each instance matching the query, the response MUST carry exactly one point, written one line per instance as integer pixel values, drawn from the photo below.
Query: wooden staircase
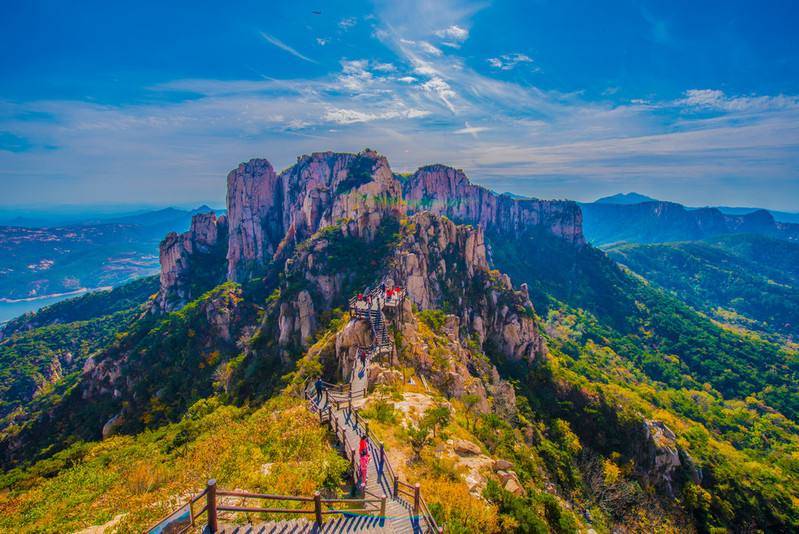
(388, 505)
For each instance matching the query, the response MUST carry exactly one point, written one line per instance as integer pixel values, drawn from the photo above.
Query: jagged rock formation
(438, 260)
(447, 191)
(661, 462)
(180, 253)
(269, 213)
(254, 204)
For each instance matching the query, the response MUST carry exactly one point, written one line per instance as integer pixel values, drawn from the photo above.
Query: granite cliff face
(270, 213)
(255, 206)
(440, 262)
(447, 191)
(184, 256)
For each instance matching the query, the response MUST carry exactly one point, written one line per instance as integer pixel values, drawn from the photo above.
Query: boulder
(464, 447)
(502, 465)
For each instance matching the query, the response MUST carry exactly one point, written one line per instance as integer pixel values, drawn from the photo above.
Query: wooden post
(317, 506)
(396, 486)
(349, 393)
(366, 428)
(354, 466)
(383, 506)
(213, 525)
(416, 492)
(329, 414)
(382, 459)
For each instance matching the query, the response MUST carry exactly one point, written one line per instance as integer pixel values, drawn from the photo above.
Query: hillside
(659, 221)
(746, 280)
(532, 385)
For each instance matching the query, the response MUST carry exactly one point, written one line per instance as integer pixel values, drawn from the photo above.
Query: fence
(317, 506)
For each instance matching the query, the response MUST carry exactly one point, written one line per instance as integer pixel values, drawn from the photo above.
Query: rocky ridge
(270, 213)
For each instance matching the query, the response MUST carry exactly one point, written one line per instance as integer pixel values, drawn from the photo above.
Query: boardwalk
(393, 513)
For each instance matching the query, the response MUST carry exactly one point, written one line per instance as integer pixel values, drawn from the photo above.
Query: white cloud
(471, 130)
(352, 116)
(347, 23)
(384, 67)
(509, 61)
(453, 33)
(715, 99)
(441, 89)
(429, 49)
(407, 79)
(283, 46)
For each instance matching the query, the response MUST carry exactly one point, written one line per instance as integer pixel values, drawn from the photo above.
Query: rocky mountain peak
(447, 191)
(270, 213)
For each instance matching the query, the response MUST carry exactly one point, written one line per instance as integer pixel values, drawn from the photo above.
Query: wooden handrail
(266, 496)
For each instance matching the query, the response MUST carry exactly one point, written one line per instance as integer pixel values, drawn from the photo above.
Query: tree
(437, 417)
(470, 402)
(419, 438)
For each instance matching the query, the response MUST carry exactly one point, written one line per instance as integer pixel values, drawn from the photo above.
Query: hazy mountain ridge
(652, 222)
(718, 278)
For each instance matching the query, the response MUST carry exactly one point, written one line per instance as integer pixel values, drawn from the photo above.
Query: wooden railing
(400, 489)
(321, 506)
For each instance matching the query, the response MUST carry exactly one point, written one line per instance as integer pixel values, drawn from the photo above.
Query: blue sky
(686, 101)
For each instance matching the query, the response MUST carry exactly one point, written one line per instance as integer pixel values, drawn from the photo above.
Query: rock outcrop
(189, 257)
(255, 211)
(447, 191)
(438, 260)
(661, 462)
(270, 213)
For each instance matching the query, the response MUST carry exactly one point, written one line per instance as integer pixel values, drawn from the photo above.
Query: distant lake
(9, 310)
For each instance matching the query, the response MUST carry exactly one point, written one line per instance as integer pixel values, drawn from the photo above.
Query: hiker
(362, 356)
(320, 386)
(363, 452)
(383, 287)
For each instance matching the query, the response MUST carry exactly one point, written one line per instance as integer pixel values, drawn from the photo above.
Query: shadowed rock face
(269, 213)
(447, 191)
(179, 253)
(440, 261)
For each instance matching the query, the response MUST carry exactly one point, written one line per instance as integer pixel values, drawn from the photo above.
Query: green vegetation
(89, 306)
(42, 347)
(662, 336)
(736, 273)
(622, 350)
(278, 448)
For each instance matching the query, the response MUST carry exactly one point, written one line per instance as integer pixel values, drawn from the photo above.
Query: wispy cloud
(715, 99)
(453, 33)
(415, 104)
(347, 23)
(283, 46)
(509, 61)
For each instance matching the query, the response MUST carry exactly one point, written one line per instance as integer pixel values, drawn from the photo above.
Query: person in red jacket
(363, 455)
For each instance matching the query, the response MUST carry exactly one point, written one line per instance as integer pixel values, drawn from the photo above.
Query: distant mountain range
(636, 218)
(638, 198)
